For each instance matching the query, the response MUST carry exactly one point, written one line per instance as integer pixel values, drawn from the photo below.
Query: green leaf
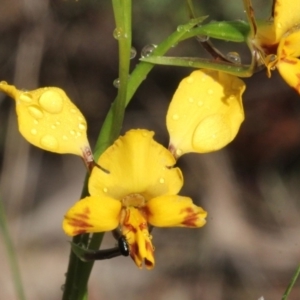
(195, 62)
(233, 31)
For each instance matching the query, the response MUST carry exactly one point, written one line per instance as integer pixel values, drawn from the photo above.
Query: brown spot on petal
(191, 217)
(148, 264)
(289, 61)
(79, 222)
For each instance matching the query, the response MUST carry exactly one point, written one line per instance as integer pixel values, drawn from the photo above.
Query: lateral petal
(92, 214)
(174, 211)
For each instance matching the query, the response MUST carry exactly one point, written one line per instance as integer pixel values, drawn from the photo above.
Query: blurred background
(249, 248)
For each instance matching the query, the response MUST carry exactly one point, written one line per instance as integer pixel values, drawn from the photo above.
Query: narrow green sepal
(232, 31)
(195, 62)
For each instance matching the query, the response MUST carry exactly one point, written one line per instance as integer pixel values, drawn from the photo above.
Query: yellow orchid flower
(205, 113)
(49, 120)
(279, 42)
(139, 188)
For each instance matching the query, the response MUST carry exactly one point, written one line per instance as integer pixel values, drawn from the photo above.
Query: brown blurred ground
(250, 245)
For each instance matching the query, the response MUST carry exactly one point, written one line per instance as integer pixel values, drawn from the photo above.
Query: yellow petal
(136, 164)
(289, 69)
(290, 44)
(286, 16)
(49, 120)
(205, 113)
(135, 229)
(92, 214)
(174, 211)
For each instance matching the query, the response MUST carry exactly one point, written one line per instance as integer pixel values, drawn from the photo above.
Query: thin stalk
(290, 286)
(78, 272)
(11, 254)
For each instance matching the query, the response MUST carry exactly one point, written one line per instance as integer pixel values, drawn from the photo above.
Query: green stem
(12, 257)
(78, 271)
(290, 286)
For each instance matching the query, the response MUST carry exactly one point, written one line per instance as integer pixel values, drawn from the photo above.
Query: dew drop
(73, 110)
(117, 33)
(147, 50)
(190, 79)
(116, 83)
(35, 122)
(161, 180)
(175, 117)
(234, 57)
(82, 126)
(144, 134)
(3, 82)
(191, 63)
(202, 38)
(53, 126)
(25, 97)
(210, 91)
(33, 131)
(35, 112)
(191, 99)
(49, 142)
(132, 53)
(57, 123)
(178, 152)
(51, 101)
(200, 103)
(180, 28)
(72, 132)
(279, 25)
(105, 190)
(64, 137)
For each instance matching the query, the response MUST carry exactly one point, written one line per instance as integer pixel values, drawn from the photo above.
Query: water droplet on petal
(279, 25)
(35, 122)
(200, 103)
(175, 117)
(57, 123)
(3, 82)
(161, 180)
(35, 112)
(147, 50)
(145, 134)
(33, 131)
(105, 190)
(190, 79)
(178, 152)
(51, 101)
(65, 138)
(191, 99)
(53, 126)
(202, 38)
(132, 53)
(82, 126)
(25, 97)
(73, 110)
(116, 83)
(72, 132)
(49, 142)
(210, 91)
(234, 57)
